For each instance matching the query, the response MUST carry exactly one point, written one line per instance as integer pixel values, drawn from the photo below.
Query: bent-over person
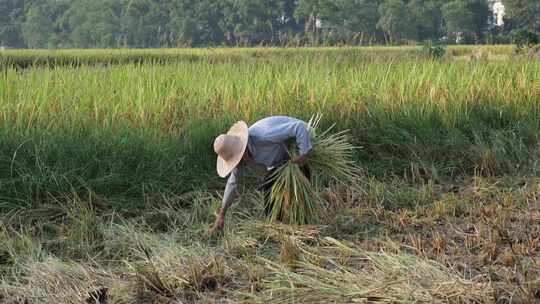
(264, 143)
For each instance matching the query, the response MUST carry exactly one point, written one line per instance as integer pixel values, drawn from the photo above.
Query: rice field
(77, 57)
(108, 185)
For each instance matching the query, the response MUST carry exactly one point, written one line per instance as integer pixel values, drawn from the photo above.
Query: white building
(498, 12)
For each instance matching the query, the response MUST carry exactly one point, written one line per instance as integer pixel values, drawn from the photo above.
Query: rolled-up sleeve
(231, 189)
(303, 139)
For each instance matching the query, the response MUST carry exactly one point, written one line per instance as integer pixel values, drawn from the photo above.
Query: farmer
(263, 144)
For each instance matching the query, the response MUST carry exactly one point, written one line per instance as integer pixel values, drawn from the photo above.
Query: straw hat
(230, 148)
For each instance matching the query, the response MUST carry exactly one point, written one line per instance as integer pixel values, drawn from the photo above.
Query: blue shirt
(267, 146)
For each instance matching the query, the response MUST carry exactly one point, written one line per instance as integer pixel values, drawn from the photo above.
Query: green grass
(128, 131)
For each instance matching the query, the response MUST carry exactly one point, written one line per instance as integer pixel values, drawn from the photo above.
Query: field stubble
(474, 242)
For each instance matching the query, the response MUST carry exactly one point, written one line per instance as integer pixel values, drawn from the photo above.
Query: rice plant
(129, 129)
(104, 57)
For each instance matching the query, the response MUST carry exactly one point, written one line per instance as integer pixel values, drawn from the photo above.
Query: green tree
(524, 14)
(94, 23)
(315, 15)
(288, 7)
(458, 18)
(55, 10)
(482, 16)
(144, 23)
(196, 22)
(156, 23)
(426, 19)
(11, 18)
(394, 21)
(345, 21)
(357, 20)
(251, 22)
(37, 28)
(466, 18)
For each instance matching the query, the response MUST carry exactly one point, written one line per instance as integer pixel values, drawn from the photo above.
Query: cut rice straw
(295, 199)
(342, 273)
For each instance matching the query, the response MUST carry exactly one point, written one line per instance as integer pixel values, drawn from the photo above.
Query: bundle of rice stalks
(294, 198)
(342, 273)
(332, 154)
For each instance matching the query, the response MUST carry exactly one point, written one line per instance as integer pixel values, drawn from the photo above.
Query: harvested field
(108, 185)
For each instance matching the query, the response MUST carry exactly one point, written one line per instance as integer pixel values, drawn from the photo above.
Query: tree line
(195, 23)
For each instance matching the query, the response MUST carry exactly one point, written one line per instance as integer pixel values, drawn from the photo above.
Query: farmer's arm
(300, 132)
(229, 196)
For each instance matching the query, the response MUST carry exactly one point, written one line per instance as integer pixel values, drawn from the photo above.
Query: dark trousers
(267, 188)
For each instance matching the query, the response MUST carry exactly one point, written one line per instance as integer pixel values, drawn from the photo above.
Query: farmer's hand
(220, 222)
(299, 160)
(217, 228)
